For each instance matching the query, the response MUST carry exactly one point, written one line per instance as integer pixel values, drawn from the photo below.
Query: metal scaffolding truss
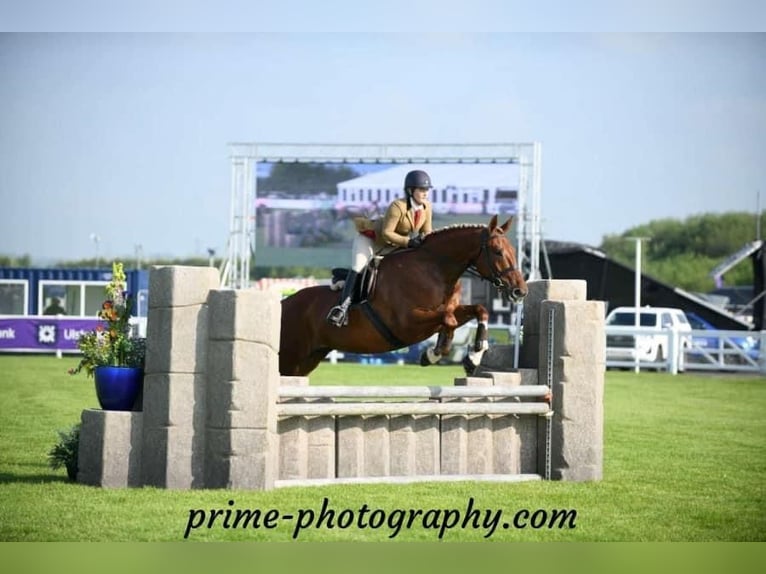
(235, 271)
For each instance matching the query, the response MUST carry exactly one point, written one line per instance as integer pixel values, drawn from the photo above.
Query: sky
(109, 131)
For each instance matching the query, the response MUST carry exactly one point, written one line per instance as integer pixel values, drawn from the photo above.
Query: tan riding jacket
(397, 225)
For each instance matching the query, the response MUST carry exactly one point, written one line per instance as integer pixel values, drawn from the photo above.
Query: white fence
(698, 350)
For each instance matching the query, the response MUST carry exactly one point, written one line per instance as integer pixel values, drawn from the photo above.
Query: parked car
(653, 346)
(711, 344)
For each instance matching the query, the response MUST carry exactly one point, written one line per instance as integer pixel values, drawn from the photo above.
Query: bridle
(496, 277)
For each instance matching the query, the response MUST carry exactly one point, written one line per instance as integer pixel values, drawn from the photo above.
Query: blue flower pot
(118, 387)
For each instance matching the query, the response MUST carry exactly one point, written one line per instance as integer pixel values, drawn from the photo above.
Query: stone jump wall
(216, 413)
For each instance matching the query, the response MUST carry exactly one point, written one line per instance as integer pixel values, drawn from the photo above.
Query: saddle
(365, 281)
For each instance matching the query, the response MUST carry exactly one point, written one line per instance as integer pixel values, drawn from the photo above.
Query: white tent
(458, 188)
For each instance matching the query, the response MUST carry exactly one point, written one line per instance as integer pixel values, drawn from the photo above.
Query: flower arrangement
(110, 344)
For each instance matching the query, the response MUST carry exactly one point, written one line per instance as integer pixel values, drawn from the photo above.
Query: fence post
(241, 443)
(578, 364)
(672, 357)
(174, 383)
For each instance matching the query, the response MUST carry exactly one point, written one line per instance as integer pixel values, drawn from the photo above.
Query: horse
(416, 294)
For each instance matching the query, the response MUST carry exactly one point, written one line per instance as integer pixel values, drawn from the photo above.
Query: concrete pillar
(539, 291)
(306, 444)
(241, 449)
(174, 380)
(321, 447)
(350, 446)
(577, 427)
(293, 435)
(377, 459)
(414, 445)
(109, 454)
(454, 444)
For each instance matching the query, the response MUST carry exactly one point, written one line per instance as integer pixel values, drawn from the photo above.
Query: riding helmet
(417, 178)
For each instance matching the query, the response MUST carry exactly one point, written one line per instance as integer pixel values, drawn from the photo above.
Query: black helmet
(417, 178)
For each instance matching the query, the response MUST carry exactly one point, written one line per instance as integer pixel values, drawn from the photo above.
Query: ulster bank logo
(46, 334)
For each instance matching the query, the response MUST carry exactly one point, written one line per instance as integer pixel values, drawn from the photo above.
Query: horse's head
(497, 261)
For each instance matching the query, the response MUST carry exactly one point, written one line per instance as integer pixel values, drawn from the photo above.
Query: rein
(496, 276)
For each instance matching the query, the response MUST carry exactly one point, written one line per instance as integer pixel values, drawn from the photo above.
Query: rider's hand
(415, 241)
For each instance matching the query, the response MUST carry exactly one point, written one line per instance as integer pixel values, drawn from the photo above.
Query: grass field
(685, 460)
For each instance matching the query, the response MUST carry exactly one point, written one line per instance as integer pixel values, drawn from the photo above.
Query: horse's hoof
(468, 366)
(424, 362)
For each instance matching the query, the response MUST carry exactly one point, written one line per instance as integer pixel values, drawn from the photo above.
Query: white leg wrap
(433, 358)
(476, 356)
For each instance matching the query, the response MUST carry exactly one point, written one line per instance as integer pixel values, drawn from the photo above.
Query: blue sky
(125, 135)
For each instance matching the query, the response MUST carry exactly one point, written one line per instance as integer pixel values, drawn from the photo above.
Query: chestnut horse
(417, 294)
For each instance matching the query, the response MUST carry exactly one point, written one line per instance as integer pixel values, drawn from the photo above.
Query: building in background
(479, 188)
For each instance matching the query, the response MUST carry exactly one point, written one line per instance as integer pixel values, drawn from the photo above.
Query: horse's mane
(456, 226)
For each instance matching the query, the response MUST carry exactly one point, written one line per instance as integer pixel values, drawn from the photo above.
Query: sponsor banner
(43, 333)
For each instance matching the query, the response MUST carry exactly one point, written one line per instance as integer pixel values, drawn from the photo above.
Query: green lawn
(685, 460)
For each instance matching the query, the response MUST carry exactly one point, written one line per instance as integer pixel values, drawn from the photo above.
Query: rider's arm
(391, 220)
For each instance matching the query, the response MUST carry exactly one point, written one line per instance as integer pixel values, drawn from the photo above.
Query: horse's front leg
(465, 313)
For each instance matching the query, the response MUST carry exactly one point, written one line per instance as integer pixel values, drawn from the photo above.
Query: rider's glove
(415, 241)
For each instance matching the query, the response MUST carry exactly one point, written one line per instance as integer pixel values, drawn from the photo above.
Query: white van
(654, 345)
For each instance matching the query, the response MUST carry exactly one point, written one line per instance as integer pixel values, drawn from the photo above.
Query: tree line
(684, 252)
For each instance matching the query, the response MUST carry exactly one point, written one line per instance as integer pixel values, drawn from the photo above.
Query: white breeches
(362, 250)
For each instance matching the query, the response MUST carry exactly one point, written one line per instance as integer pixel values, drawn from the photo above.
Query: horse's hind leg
(432, 355)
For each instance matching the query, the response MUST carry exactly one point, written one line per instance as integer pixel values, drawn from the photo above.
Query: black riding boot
(338, 315)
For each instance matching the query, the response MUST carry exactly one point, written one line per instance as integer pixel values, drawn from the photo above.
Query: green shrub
(65, 452)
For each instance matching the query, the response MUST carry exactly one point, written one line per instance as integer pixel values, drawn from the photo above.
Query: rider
(405, 223)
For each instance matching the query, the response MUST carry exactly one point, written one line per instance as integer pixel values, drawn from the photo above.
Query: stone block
(181, 286)
(529, 443)
(350, 452)
(454, 444)
(402, 458)
(321, 447)
(173, 457)
(293, 448)
(578, 328)
(578, 380)
(241, 458)
(480, 448)
(505, 445)
(176, 339)
(242, 404)
(245, 314)
(414, 445)
(242, 361)
(242, 385)
(552, 290)
(427, 445)
(110, 446)
(174, 400)
(376, 446)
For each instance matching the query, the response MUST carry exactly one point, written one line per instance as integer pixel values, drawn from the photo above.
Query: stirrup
(338, 315)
